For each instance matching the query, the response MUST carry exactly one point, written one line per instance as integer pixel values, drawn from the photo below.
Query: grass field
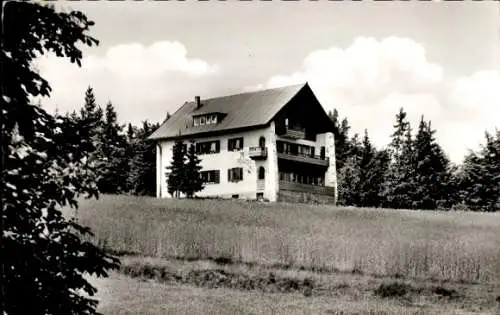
(451, 246)
(237, 257)
(120, 294)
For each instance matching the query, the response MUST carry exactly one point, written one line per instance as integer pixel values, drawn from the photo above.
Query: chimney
(198, 101)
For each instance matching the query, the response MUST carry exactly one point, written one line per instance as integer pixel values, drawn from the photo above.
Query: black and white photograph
(250, 157)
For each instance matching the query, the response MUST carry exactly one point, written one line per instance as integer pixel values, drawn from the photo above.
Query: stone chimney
(198, 101)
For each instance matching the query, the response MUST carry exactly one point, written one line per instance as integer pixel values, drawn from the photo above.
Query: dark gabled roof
(243, 110)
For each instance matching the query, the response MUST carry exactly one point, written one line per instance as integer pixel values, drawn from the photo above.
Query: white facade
(250, 186)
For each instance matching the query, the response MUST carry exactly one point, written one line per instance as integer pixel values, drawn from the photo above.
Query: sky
(366, 59)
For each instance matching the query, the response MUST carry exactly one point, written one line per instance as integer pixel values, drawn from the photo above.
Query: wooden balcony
(257, 153)
(294, 133)
(315, 189)
(305, 158)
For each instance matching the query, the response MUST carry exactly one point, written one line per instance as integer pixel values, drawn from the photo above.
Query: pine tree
(193, 180)
(90, 127)
(349, 174)
(142, 161)
(368, 190)
(91, 114)
(113, 152)
(432, 168)
(341, 134)
(176, 170)
(348, 182)
(130, 133)
(491, 162)
(399, 183)
(342, 144)
(379, 168)
(480, 181)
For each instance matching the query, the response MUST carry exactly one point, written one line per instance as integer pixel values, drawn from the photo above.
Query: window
(235, 144)
(235, 174)
(262, 142)
(262, 172)
(210, 177)
(208, 147)
(210, 119)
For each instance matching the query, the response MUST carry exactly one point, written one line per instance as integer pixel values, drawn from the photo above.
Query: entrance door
(261, 179)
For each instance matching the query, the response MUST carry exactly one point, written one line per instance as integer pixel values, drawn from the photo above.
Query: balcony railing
(305, 158)
(294, 132)
(316, 189)
(257, 153)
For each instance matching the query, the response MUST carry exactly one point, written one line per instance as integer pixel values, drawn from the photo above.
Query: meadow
(462, 247)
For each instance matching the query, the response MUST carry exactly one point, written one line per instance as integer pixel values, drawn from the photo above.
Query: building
(274, 144)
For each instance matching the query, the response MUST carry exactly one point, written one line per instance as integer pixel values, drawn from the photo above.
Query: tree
(349, 174)
(349, 180)
(399, 177)
(142, 165)
(431, 175)
(378, 169)
(341, 133)
(130, 133)
(91, 115)
(342, 143)
(176, 170)
(479, 180)
(193, 180)
(44, 167)
(113, 153)
(369, 184)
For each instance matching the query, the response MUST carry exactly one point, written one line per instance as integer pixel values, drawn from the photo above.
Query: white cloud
(473, 107)
(138, 79)
(371, 79)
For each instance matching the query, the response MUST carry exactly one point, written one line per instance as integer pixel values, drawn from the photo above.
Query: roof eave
(208, 133)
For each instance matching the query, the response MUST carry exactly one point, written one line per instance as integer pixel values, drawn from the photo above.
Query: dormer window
(207, 119)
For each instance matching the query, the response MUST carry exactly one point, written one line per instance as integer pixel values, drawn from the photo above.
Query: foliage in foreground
(44, 256)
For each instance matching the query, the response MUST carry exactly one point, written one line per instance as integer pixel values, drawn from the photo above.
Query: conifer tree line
(125, 160)
(413, 171)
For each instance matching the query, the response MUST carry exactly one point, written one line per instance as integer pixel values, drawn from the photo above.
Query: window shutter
(217, 146)
(241, 173)
(229, 175)
(241, 143)
(217, 177)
